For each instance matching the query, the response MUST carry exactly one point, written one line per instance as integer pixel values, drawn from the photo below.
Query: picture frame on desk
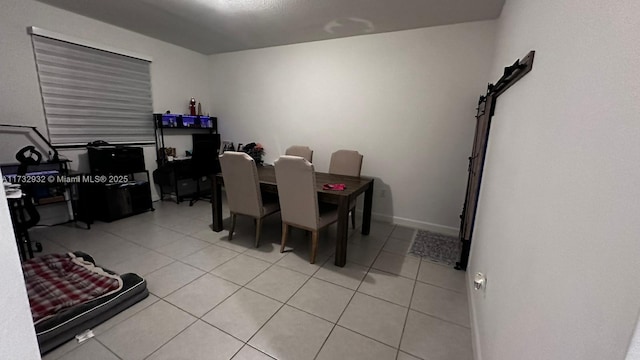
(166, 154)
(226, 146)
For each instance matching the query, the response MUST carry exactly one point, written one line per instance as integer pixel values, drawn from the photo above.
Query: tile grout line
(440, 286)
(176, 335)
(349, 303)
(406, 318)
(215, 267)
(441, 319)
(248, 289)
(241, 287)
(106, 347)
(284, 303)
(235, 292)
(190, 282)
(159, 298)
(256, 349)
(199, 276)
(309, 276)
(106, 231)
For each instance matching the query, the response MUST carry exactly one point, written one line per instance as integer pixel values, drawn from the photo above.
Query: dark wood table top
(353, 185)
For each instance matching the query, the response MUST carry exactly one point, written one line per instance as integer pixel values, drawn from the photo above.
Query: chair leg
(258, 228)
(285, 233)
(233, 226)
(314, 246)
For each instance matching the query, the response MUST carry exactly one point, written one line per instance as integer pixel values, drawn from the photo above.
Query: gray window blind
(90, 94)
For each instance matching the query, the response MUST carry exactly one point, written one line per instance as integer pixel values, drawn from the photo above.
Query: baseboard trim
(422, 225)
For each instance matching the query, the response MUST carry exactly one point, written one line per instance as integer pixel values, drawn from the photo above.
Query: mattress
(66, 324)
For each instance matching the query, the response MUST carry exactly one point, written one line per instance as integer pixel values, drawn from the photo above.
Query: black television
(204, 156)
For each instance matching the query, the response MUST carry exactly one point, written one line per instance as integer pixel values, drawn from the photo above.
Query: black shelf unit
(116, 198)
(175, 177)
(113, 201)
(179, 125)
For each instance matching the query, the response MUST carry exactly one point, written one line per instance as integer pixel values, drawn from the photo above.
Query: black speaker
(116, 160)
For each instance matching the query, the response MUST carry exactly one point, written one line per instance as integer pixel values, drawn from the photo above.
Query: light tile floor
(216, 299)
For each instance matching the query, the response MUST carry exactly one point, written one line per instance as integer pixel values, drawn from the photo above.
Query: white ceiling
(216, 26)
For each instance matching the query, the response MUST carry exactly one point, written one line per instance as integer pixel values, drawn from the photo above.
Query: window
(92, 94)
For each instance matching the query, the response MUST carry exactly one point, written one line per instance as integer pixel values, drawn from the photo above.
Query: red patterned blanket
(59, 281)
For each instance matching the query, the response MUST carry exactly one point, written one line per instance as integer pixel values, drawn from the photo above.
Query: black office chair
(24, 213)
(204, 161)
(197, 174)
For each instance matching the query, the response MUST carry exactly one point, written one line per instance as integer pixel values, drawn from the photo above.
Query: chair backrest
(296, 182)
(204, 159)
(302, 151)
(346, 162)
(241, 183)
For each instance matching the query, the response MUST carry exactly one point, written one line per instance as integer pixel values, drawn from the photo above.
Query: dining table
(353, 187)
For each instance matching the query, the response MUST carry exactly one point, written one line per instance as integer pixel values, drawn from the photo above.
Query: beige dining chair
(296, 181)
(349, 163)
(299, 150)
(242, 186)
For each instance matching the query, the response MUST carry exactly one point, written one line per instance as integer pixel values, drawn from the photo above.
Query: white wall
(557, 227)
(176, 73)
(406, 100)
(17, 335)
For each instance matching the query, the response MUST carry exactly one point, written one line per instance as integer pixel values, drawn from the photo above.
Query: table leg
(216, 204)
(343, 228)
(366, 212)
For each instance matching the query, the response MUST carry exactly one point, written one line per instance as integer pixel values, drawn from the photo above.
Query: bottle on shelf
(192, 107)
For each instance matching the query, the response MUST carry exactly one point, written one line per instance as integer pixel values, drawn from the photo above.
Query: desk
(48, 189)
(177, 177)
(354, 187)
